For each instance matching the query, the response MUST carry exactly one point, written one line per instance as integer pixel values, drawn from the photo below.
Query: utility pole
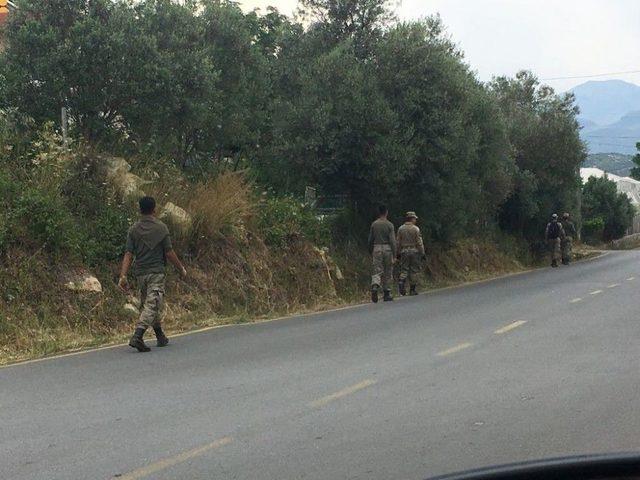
(65, 130)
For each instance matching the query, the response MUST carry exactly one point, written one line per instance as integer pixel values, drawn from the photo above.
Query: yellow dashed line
(613, 285)
(631, 279)
(455, 349)
(575, 300)
(595, 292)
(510, 327)
(171, 461)
(321, 402)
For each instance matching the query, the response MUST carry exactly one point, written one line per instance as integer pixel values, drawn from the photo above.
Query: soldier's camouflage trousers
(382, 260)
(151, 299)
(410, 265)
(567, 246)
(554, 249)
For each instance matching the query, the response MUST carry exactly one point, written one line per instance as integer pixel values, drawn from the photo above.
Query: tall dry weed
(221, 206)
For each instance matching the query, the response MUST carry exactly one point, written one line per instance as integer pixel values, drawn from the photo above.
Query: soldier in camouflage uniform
(149, 244)
(411, 252)
(553, 235)
(567, 242)
(382, 246)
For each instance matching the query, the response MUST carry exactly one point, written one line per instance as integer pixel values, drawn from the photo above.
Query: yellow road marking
(630, 279)
(575, 300)
(613, 285)
(455, 349)
(595, 292)
(509, 327)
(321, 402)
(171, 461)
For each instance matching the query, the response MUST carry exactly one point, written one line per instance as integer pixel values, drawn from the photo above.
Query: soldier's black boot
(402, 288)
(554, 263)
(374, 294)
(387, 296)
(161, 338)
(412, 290)
(137, 341)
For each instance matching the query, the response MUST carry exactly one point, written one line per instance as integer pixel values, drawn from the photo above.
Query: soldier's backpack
(554, 230)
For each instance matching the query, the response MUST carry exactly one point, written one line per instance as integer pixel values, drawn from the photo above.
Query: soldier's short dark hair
(147, 205)
(382, 209)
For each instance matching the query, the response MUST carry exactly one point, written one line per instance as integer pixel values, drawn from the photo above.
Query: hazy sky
(553, 38)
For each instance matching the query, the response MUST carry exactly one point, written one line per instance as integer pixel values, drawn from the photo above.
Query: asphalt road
(535, 365)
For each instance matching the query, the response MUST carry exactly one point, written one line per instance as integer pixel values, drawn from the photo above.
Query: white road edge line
(613, 285)
(575, 300)
(595, 292)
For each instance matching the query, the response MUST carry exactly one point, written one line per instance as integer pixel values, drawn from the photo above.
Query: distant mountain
(587, 124)
(605, 102)
(615, 163)
(619, 137)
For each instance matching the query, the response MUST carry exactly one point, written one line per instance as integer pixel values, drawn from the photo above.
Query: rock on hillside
(118, 174)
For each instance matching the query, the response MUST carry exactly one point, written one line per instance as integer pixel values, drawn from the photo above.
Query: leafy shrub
(40, 220)
(284, 218)
(8, 192)
(103, 219)
(593, 229)
(601, 199)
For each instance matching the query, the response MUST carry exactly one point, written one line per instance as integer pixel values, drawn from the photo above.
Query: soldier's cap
(565, 215)
(554, 216)
(411, 215)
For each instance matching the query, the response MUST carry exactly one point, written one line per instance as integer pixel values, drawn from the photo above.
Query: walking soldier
(567, 242)
(149, 244)
(553, 235)
(411, 251)
(382, 246)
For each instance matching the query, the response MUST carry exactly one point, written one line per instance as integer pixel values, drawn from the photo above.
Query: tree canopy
(352, 102)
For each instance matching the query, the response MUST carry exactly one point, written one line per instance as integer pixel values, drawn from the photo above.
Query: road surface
(540, 364)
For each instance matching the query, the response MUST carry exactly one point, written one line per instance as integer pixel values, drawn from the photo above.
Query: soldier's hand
(123, 284)
(183, 272)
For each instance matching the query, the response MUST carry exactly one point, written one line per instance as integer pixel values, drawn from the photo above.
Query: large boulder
(118, 174)
(130, 310)
(83, 282)
(178, 218)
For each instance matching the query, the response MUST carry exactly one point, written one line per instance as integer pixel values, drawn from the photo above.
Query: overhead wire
(595, 75)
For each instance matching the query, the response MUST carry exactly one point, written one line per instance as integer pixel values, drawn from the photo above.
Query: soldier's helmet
(411, 215)
(565, 215)
(554, 216)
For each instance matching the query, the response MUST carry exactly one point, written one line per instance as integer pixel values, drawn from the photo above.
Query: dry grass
(221, 206)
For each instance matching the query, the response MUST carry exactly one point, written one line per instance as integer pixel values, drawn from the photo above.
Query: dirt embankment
(234, 282)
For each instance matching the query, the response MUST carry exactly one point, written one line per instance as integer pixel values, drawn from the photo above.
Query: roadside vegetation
(607, 212)
(226, 118)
